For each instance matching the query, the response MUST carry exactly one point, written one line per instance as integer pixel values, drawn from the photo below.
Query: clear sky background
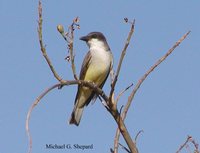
(166, 107)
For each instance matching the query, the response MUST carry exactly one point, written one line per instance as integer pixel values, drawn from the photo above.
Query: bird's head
(95, 39)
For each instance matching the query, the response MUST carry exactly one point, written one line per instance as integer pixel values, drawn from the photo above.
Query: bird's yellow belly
(96, 73)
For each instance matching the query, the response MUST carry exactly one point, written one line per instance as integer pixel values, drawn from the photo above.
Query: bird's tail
(76, 116)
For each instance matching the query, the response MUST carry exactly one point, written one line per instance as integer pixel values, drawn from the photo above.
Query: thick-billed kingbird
(95, 68)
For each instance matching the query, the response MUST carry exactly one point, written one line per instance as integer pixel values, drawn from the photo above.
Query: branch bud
(60, 28)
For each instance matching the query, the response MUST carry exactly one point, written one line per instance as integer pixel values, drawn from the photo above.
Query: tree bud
(60, 28)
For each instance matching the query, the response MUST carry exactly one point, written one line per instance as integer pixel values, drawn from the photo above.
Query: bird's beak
(84, 38)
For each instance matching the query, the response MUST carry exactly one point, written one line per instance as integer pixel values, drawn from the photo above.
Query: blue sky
(166, 106)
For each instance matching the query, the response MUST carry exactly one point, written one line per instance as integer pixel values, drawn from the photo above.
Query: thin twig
(130, 98)
(42, 47)
(122, 57)
(123, 147)
(69, 38)
(30, 111)
(71, 47)
(184, 144)
(137, 135)
(122, 92)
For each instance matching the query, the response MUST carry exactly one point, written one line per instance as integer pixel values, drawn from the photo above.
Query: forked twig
(69, 38)
(184, 144)
(189, 139)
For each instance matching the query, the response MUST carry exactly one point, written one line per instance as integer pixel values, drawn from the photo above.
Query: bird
(95, 68)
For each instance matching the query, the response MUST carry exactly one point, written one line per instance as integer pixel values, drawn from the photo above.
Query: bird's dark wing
(85, 65)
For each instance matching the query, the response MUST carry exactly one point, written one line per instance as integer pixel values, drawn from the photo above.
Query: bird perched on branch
(96, 67)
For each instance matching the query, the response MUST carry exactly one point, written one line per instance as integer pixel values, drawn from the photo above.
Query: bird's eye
(94, 36)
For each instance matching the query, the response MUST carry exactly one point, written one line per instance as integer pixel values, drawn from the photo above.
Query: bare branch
(122, 128)
(113, 106)
(122, 57)
(30, 111)
(184, 144)
(122, 92)
(42, 47)
(98, 91)
(69, 38)
(71, 46)
(130, 98)
(114, 78)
